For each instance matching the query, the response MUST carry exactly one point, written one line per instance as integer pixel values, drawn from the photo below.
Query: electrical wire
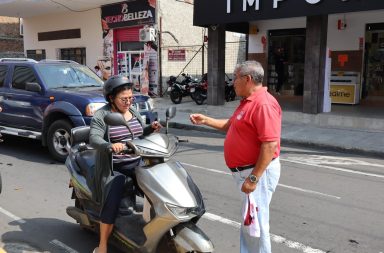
(70, 9)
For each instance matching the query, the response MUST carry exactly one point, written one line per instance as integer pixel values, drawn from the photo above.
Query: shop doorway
(130, 64)
(286, 55)
(373, 85)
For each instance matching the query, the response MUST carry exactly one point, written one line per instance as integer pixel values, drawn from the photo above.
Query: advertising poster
(150, 69)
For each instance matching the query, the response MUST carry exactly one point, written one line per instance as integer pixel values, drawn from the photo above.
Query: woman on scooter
(108, 182)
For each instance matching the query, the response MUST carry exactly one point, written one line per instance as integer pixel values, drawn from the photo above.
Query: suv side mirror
(32, 86)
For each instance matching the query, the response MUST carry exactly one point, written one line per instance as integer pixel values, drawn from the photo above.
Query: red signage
(176, 54)
(342, 59)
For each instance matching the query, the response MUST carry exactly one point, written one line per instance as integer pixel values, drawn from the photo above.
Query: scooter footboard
(189, 237)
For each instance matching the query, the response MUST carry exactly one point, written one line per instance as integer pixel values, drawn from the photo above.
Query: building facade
(332, 51)
(148, 41)
(11, 40)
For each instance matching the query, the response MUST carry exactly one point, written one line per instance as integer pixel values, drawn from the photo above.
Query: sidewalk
(345, 133)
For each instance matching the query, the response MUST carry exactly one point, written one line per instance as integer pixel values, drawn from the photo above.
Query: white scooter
(171, 202)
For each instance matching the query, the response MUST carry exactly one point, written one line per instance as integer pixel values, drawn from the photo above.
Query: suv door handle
(8, 96)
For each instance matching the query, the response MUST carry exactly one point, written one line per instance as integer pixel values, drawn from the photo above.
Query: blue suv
(44, 100)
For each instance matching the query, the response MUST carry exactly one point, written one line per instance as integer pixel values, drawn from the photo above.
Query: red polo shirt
(257, 119)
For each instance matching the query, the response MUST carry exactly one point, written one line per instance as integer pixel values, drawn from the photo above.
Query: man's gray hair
(252, 68)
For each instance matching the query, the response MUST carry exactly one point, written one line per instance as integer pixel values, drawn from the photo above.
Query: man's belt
(241, 168)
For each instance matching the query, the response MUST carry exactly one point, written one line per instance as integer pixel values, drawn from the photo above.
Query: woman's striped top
(122, 134)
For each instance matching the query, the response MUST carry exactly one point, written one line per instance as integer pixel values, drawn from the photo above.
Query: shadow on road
(25, 149)
(42, 235)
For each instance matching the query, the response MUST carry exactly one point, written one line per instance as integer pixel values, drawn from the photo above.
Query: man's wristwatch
(254, 179)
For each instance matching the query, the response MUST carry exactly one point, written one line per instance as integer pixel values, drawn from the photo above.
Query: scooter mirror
(114, 119)
(170, 112)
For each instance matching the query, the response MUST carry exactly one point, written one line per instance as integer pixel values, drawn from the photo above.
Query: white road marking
(334, 168)
(331, 160)
(207, 169)
(12, 216)
(282, 185)
(63, 246)
(275, 238)
(309, 191)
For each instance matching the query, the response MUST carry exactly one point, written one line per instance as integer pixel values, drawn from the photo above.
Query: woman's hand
(156, 126)
(118, 147)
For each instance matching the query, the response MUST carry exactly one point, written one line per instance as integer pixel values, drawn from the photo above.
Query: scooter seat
(86, 162)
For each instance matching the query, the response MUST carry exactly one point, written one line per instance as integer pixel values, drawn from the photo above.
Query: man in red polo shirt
(251, 151)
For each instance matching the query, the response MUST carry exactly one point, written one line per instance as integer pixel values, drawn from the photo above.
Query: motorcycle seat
(86, 162)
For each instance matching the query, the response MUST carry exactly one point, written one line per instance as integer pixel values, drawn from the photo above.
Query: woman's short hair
(117, 90)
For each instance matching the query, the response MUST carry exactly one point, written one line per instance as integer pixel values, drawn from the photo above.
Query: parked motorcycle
(229, 91)
(171, 202)
(201, 90)
(178, 90)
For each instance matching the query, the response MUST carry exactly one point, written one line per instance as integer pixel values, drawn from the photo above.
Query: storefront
(286, 54)
(374, 61)
(128, 32)
(307, 32)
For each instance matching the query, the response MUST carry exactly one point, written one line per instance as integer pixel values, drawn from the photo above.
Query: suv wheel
(58, 139)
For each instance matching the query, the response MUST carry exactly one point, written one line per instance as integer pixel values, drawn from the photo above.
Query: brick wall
(11, 43)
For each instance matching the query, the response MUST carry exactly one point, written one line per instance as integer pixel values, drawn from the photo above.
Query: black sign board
(212, 12)
(129, 13)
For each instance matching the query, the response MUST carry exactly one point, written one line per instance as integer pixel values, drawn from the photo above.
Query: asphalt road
(326, 202)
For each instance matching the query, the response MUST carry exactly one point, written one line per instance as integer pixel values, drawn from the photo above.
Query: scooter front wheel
(167, 245)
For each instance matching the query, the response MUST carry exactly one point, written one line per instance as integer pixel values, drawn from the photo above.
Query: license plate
(192, 90)
(169, 89)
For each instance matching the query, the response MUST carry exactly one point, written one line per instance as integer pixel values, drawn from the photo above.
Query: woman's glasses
(126, 99)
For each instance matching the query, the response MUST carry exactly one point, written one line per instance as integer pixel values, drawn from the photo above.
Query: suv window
(68, 75)
(3, 73)
(21, 76)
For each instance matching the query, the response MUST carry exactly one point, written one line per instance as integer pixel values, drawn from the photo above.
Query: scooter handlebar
(126, 150)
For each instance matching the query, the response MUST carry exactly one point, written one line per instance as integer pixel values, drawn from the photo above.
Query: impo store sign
(215, 12)
(275, 3)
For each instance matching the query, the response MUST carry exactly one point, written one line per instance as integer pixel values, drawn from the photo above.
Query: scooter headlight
(180, 212)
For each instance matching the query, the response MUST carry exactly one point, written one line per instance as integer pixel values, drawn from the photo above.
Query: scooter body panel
(169, 183)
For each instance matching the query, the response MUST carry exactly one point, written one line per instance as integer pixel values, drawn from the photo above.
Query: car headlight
(181, 212)
(151, 103)
(92, 108)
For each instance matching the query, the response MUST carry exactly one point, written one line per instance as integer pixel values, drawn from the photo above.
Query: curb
(285, 141)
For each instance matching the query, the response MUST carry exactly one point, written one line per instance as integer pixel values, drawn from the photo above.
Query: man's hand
(248, 186)
(198, 119)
